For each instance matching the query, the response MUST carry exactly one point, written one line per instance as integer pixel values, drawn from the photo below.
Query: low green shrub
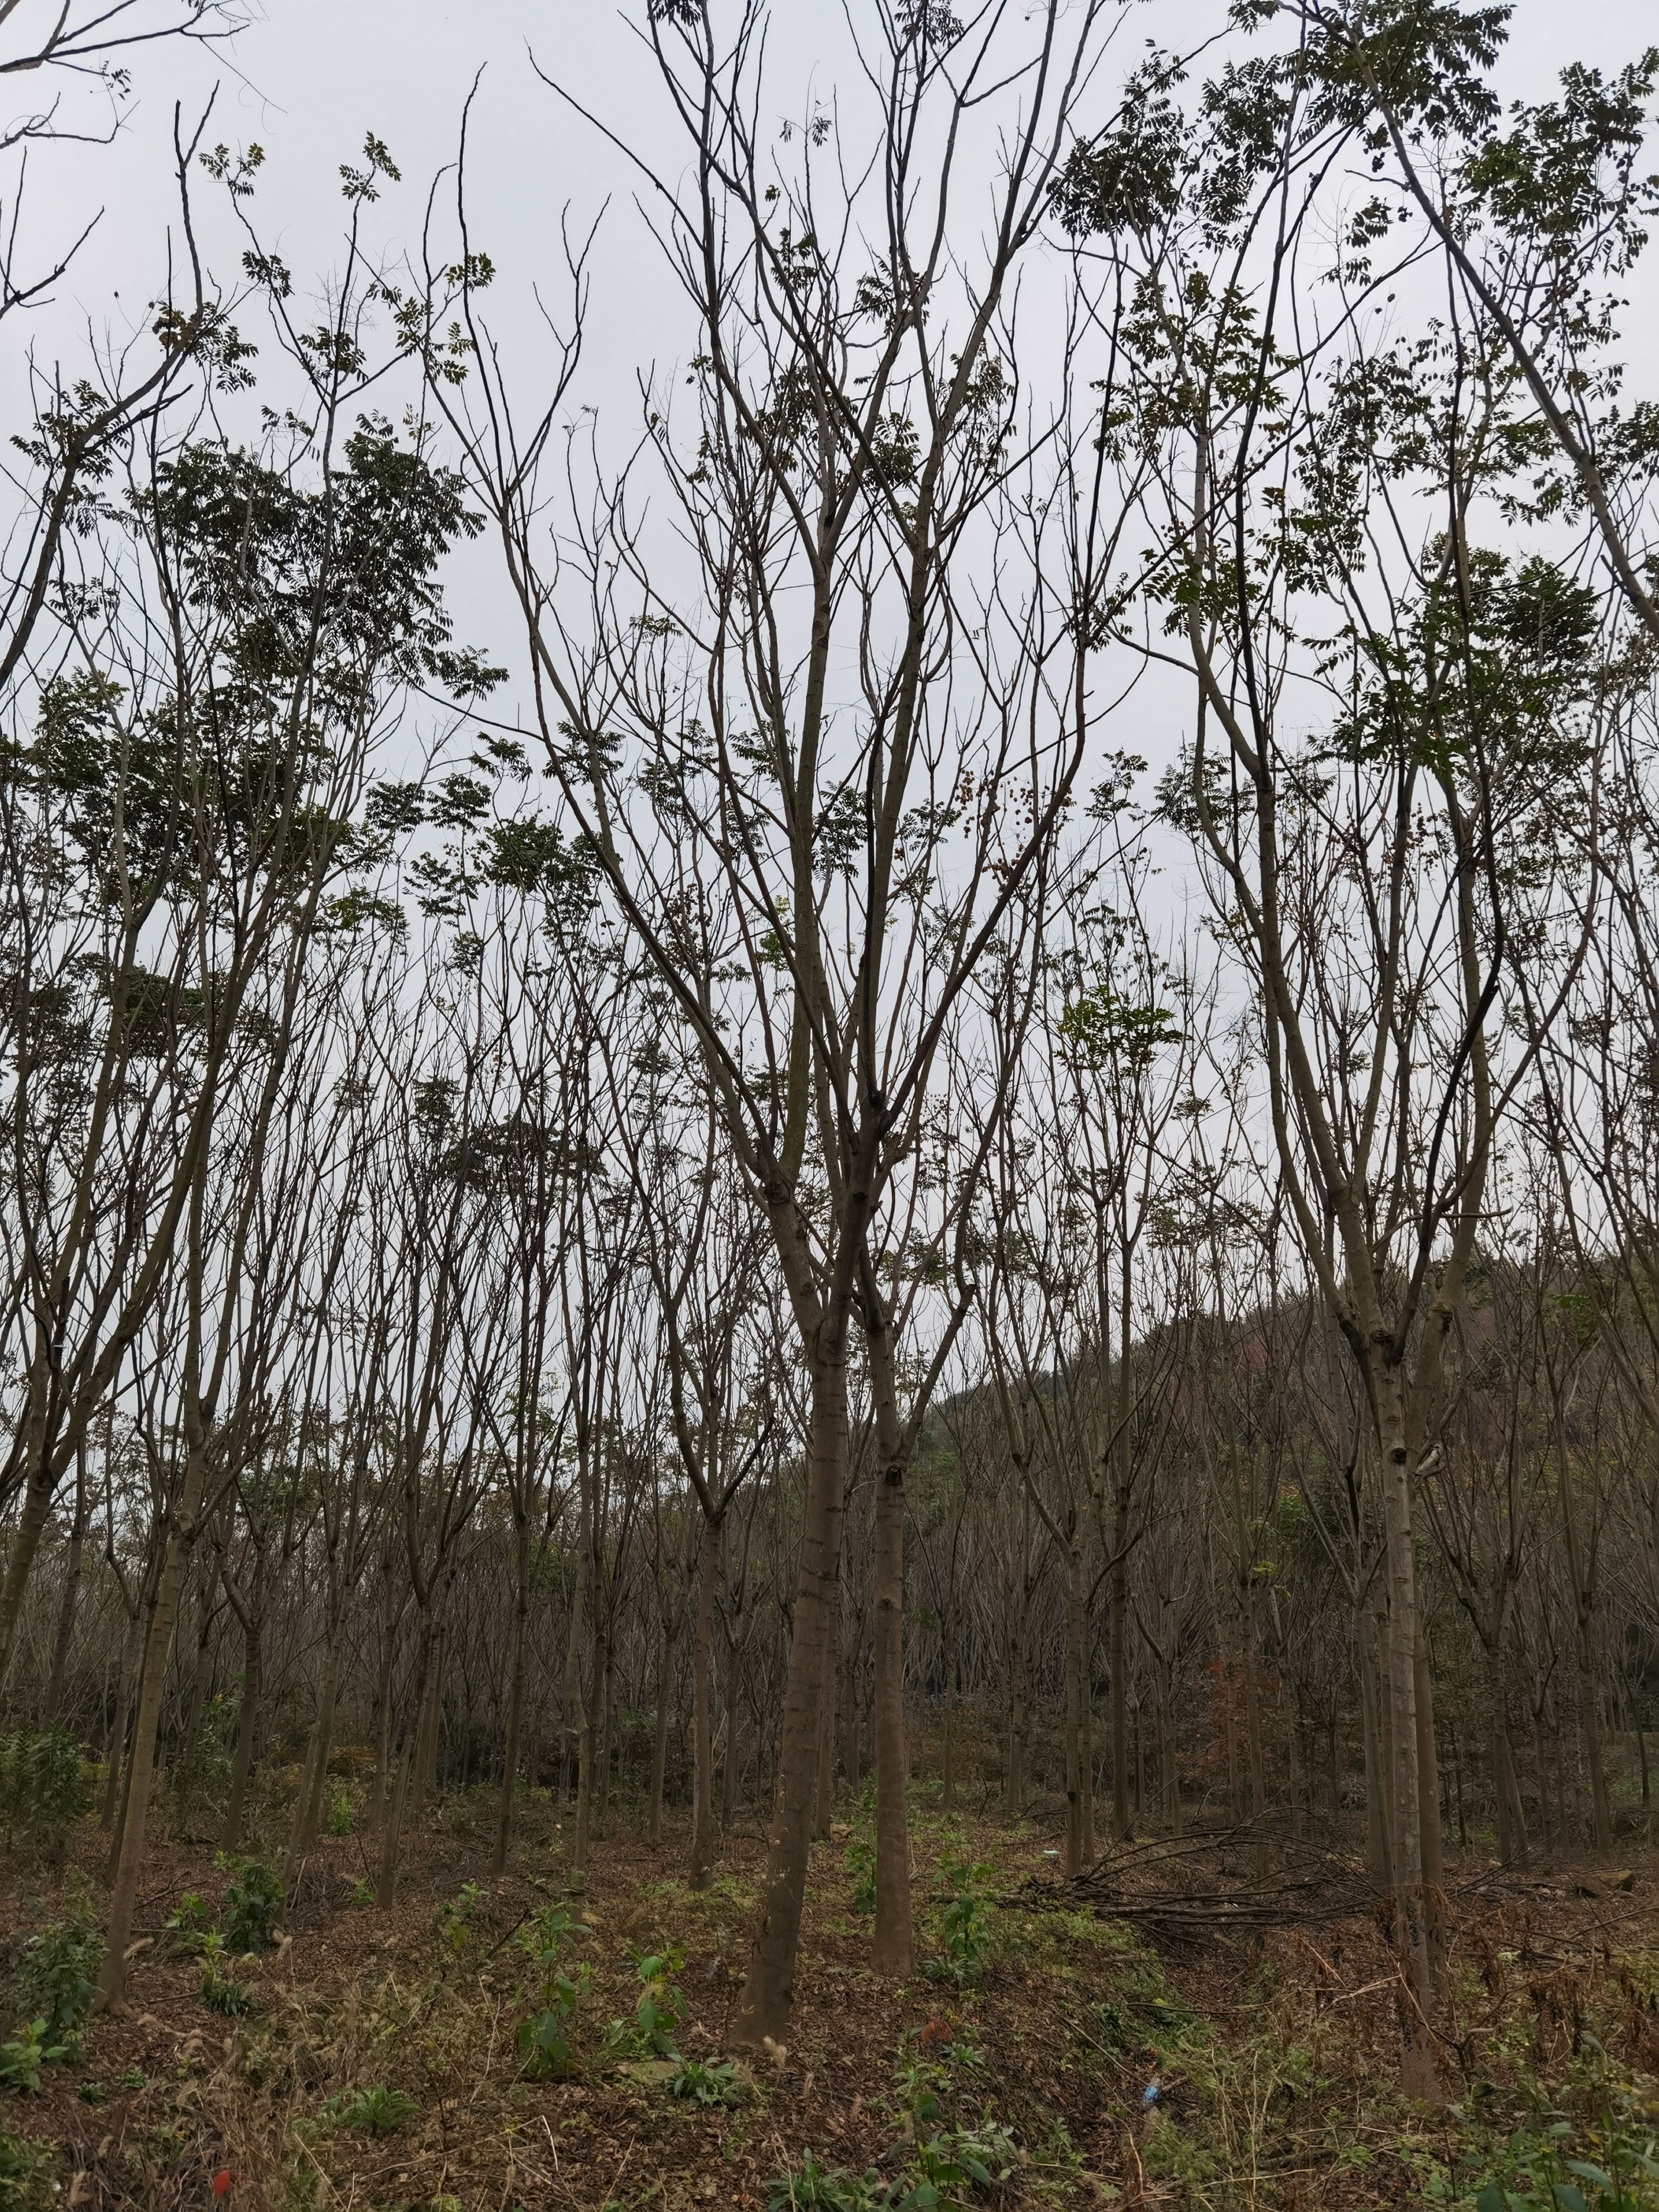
(54, 1975)
(26, 2178)
(253, 1905)
(712, 2083)
(658, 2010)
(24, 2053)
(219, 1989)
(375, 2111)
(46, 1787)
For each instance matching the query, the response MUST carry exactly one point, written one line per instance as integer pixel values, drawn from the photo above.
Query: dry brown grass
(1273, 2048)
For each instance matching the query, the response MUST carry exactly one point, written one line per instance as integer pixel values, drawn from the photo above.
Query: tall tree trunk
(702, 1733)
(1417, 2074)
(891, 1949)
(1075, 1693)
(1019, 1718)
(308, 1805)
(659, 1745)
(140, 1764)
(1433, 1842)
(184, 1759)
(26, 1537)
(766, 2002)
(514, 1695)
(828, 1716)
(1120, 1664)
(253, 1692)
(1379, 1858)
(120, 1734)
(63, 1634)
(385, 1886)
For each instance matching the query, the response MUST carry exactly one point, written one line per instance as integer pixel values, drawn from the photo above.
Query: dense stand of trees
(756, 1202)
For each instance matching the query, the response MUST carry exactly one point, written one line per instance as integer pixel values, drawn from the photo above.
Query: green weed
(26, 2053)
(375, 2111)
(253, 1905)
(219, 1989)
(46, 1787)
(714, 2083)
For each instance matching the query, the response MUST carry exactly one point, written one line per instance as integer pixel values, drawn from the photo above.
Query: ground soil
(1232, 2052)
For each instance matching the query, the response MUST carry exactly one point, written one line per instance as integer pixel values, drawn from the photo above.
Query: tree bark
(1075, 1693)
(141, 1765)
(766, 2002)
(1418, 2077)
(514, 1696)
(703, 1734)
(891, 1949)
(659, 1743)
(65, 1633)
(252, 1691)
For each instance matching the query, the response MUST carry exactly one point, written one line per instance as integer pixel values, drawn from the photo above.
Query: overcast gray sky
(308, 77)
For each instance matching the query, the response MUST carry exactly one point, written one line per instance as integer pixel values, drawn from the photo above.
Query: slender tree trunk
(1433, 1842)
(308, 1806)
(1418, 2077)
(386, 1887)
(891, 1946)
(829, 1719)
(766, 2003)
(140, 1764)
(253, 1692)
(1120, 1664)
(660, 1744)
(1075, 1783)
(427, 1774)
(65, 1633)
(185, 1763)
(1019, 1718)
(605, 1663)
(1379, 1858)
(120, 1736)
(1171, 1755)
(25, 1538)
(574, 1695)
(1590, 1724)
(515, 1697)
(703, 1735)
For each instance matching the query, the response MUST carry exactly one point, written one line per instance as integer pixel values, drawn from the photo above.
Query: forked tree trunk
(767, 1999)
(140, 1763)
(702, 1732)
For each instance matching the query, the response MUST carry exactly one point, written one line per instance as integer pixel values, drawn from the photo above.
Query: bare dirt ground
(1210, 2028)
